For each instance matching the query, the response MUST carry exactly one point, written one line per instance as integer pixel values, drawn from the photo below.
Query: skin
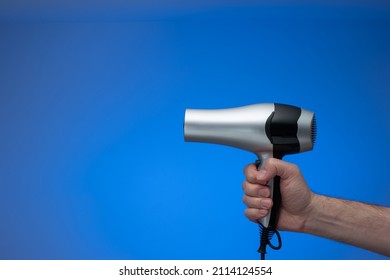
(359, 224)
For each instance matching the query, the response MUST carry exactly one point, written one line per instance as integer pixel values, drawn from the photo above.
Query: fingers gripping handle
(271, 220)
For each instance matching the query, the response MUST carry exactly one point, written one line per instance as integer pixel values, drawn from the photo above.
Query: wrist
(313, 210)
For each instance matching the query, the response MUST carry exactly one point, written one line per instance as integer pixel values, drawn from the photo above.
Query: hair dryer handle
(271, 220)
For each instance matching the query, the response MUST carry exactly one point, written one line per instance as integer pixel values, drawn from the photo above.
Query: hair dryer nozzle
(307, 130)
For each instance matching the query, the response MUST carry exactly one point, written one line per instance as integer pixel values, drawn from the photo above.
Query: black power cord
(266, 235)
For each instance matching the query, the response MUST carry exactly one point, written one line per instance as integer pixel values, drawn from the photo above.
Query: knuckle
(250, 214)
(251, 176)
(244, 185)
(255, 214)
(272, 161)
(248, 168)
(294, 168)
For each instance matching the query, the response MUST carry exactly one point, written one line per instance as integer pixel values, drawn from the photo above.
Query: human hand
(296, 195)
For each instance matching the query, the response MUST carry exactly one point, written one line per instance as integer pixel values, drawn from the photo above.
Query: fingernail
(263, 192)
(261, 174)
(266, 203)
(263, 212)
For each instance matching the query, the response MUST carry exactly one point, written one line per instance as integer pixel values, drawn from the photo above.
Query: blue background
(92, 98)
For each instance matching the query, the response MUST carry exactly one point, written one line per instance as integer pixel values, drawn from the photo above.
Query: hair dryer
(268, 130)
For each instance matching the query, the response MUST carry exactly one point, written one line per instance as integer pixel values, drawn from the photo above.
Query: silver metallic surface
(305, 132)
(242, 127)
(265, 220)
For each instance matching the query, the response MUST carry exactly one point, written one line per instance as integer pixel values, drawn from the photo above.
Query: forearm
(359, 224)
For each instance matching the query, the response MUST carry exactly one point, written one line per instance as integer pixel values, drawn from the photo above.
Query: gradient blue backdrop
(92, 159)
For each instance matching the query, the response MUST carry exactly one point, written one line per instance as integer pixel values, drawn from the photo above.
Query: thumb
(276, 167)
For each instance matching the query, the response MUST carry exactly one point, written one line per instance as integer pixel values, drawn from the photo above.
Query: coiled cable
(266, 235)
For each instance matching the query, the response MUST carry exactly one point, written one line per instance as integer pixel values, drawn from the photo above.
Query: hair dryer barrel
(242, 127)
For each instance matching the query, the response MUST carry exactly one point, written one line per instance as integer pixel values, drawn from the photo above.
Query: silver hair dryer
(267, 130)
